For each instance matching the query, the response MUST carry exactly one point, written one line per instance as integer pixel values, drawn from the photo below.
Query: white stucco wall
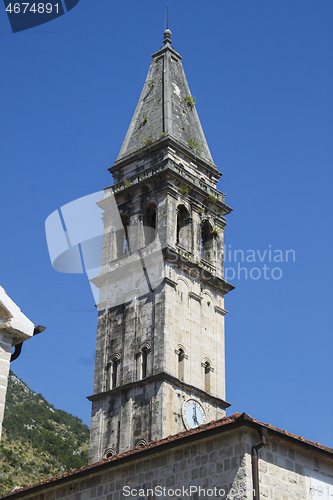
(15, 328)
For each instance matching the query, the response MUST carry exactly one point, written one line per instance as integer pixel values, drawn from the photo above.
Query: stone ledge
(163, 377)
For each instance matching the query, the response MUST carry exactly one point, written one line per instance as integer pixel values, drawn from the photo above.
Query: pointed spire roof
(166, 107)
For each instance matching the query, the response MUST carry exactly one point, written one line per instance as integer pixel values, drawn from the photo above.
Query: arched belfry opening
(114, 371)
(183, 237)
(149, 223)
(122, 237)
(207, 242)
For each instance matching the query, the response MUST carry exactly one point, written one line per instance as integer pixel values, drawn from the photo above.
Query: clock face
(193, 414)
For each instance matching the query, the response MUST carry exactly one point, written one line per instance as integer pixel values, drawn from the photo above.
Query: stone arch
(145, 345)
(181, 279)
(140, 443)
(182, 288)
(187, 205)
(181, 357)
(181, 346)
(209, 297)
(109, 452)
(207, 369)
(206, 359)
(208, 218)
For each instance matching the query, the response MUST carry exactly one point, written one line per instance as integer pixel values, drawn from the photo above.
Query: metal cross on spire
(167, 32)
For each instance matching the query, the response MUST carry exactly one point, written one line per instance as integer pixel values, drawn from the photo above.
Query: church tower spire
(160, 337)
(166, 106)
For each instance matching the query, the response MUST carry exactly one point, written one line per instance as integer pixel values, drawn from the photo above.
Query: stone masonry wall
(282, 471)
(219, 465)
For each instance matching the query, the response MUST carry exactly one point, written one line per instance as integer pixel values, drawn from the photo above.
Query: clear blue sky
(262, 76)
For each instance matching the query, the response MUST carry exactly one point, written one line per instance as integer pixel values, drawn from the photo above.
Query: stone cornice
(171, 255)
(162, 376)
(220, 310)
(195, 296)
(170, 282)
(167, 140)
(165, 49)
(168, 166)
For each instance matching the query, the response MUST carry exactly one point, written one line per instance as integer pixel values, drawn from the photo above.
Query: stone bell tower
(160, 364)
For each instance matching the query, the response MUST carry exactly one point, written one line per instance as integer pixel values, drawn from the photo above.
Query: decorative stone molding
(170, 282)
(181, 349)
(195, 296)
(140, 443)
(115, 358)
(110, 452)
(206, 363)
(145, 345)
(220, 310)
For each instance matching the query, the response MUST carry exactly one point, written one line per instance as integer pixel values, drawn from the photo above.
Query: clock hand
(194, 416)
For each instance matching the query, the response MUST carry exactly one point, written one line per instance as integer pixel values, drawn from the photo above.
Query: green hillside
(37, 441)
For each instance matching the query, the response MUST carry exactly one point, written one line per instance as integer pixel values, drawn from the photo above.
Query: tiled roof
(224, 424)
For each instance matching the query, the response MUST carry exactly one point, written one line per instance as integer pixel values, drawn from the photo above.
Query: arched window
(149, 223)
(207, 242)
(183, 227)
(207, 377)
(142, 361)
(181, 358)
(109, 453)
(114, 371)
(207, 369)
(141, 443)
(122, 237)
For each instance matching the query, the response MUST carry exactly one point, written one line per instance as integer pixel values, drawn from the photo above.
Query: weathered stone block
(195, 473)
